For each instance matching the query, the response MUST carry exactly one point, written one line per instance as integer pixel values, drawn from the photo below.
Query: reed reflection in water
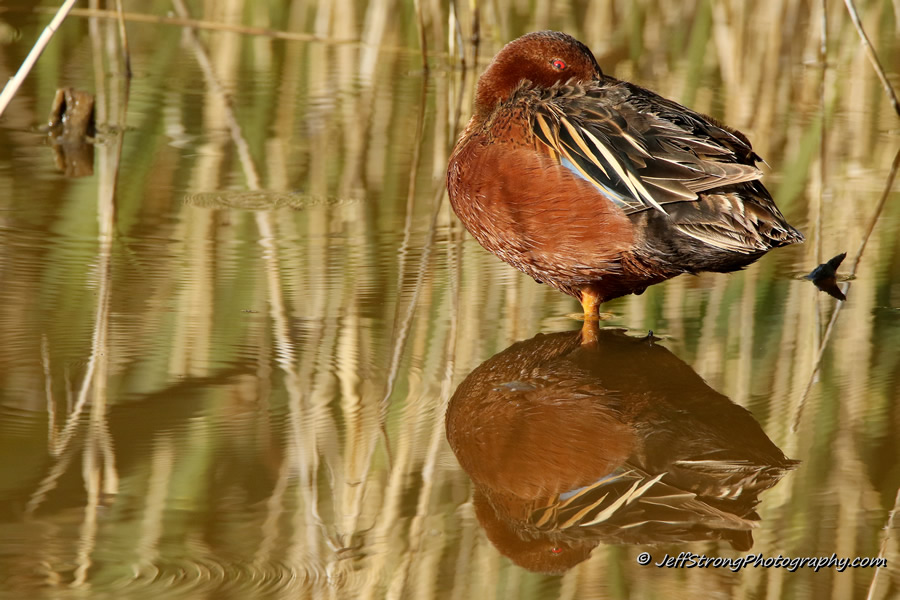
(584, 437)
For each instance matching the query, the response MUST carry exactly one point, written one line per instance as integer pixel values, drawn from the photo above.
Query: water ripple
(205, 575)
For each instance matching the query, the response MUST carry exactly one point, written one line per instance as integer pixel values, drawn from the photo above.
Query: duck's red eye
(556, 549)
(559, 65)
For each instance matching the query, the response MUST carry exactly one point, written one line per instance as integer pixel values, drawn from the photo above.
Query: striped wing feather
(642, 150)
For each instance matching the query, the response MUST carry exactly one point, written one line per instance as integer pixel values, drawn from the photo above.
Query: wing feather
(641, 150)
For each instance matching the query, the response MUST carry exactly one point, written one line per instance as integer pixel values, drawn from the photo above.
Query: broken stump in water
(71, 129)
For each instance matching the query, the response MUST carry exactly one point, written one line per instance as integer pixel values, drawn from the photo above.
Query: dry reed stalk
(99, 439)
(873, 221)
(48, 393)
(197, 332)
(96, 372)
(350, 480)
(250, 171)
(402, 320)
(192, 340)
(819, 195)
(417, 533)
(123, 37)
(676, 302)
(98, 457)
(87, 538)
(275, 509)
(288, 91)
(13, 85)
(373, 35)
(99, 470)
(302, 455)
(741, 384)
(195, 24)
(63, 457)
(384, 530)
(423, 37)
(710, 361)
(851, 496)
(784, 381)
(162, 467)
(888, 529)
(872, 56)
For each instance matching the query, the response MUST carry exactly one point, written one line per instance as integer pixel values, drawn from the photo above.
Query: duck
(599, 187)
(576, 438)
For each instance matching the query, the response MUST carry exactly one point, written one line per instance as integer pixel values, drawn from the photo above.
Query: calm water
(227, 355)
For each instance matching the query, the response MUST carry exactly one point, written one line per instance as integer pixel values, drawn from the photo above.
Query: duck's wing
(734, 479)
(643, 151)
(633, 499)
(647, 153)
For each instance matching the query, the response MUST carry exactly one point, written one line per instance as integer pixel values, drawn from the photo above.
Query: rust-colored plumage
(599, 187)
(579, 438)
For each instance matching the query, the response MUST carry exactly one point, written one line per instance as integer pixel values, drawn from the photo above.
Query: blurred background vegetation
(225, 357)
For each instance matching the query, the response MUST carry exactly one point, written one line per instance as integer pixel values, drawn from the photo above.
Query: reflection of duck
(600, 187)
(570, 444)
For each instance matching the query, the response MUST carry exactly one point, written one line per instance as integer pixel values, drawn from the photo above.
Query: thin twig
(837, 310)
(216, 26)
(123, 36)
(304, 446)
(48, 391)
(197, 24)
(823, 146)
(401, 333)
(251, 173)
(100, 450)
(16, 82)
(888, 528)
(423, 41)
(873, 57)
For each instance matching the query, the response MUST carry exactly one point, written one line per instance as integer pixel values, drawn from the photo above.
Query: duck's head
(544, 58)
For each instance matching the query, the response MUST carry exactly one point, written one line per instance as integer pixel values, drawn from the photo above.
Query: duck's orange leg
(590, 302)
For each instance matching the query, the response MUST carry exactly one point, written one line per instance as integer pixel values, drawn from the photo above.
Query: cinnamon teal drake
(599, 187)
